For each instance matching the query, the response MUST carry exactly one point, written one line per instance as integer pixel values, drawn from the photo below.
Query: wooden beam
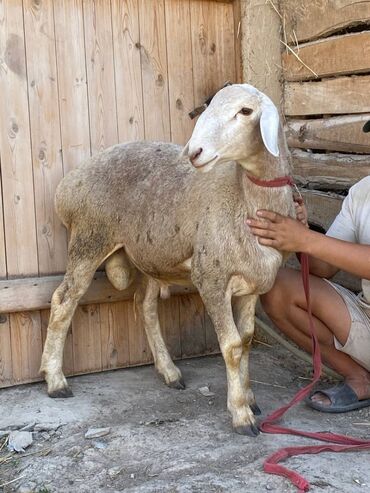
(309, 20)
(339, 55)
(34, 293)
(261, 47)
(328, 171)
(329, 96)
(341, 133)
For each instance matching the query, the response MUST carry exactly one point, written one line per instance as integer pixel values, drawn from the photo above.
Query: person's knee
(278, 299)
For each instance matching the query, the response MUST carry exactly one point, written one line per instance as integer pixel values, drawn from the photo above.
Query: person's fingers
(268, 242)
(271, 216)
(259, 223)
(263, 233)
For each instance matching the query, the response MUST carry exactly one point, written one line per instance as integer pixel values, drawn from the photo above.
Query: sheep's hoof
(255, 409)
(178, 384)
(62, 393)
(251, 430)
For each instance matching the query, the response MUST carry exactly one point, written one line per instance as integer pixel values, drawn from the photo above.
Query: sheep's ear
(269, 125)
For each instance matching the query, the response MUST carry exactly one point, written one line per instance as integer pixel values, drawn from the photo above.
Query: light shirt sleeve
(343, 227)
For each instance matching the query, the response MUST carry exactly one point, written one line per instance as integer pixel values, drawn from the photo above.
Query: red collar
(281, 181)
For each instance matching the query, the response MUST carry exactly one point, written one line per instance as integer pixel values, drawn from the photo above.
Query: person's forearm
(343, 255)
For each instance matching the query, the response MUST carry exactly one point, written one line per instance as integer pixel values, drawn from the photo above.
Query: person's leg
(286, 305)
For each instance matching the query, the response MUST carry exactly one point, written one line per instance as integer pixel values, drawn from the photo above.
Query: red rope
(338, 443)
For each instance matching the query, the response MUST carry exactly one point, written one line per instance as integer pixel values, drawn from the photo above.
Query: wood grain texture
(114, 335)
(86, 339)
(6, 367)
(72, 82)
(193, 334)
(100, 74)
(213, 48)
(154, 70)
(15, 146)
(332, 96)
(309, 20)
(26, 344)
(341, 133)
(2, 235)
(45, 133)
(338, 55)
(261, 47)
(139, 349)
(328, 170)
(180, 69)
(126, 46)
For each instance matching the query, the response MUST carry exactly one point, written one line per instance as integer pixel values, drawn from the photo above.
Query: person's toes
(321, 399)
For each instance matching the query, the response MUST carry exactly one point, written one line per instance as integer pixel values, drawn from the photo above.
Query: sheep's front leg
(244, 310)
(147, 303)
(231, 346)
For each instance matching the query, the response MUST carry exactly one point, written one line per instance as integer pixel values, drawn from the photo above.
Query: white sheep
(147, 206)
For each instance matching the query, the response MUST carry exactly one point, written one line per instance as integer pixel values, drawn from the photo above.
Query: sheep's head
(239, 121)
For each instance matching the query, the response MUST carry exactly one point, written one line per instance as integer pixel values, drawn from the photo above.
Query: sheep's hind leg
(220, 311)
(79, 273)
(147, 303)
(244, 310)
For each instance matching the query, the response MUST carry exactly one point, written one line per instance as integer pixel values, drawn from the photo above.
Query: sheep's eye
(246, 111)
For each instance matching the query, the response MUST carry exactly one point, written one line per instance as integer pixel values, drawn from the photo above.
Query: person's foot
(360, 386)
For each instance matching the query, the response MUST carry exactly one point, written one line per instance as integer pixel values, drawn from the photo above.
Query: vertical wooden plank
(16, 162)
(193, 339)
(26, 344)
(126, 46)
(75, 133)
(100, 73)
(72, 84)
(45, 132)
(103, 123)
(24, 334)
(169, 319)
(180, 69)
(140, 352)
(2, 234)
(261, 48)
(6, 368)
(237, 12)
(114, 335)
(86, 339)
(154, 70)
(213, 47)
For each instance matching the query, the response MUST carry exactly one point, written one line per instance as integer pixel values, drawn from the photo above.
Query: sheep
(178, 217)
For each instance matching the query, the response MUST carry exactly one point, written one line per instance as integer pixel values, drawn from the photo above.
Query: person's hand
(301, 212)
(280, 232)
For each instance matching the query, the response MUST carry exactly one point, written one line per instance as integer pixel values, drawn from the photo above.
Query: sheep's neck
(264, 166)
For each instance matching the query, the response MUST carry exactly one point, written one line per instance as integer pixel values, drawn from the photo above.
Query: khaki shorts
(358, 343)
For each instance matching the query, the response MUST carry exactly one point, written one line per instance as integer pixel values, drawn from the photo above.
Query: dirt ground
(165, 440)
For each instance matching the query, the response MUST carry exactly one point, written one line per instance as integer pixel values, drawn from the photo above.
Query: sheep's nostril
(195, 154)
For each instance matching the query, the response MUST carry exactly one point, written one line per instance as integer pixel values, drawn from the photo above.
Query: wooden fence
(77, 76)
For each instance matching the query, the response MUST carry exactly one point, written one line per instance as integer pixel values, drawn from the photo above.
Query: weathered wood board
(338, 55)
(328, 97)
(305, 20)
(342, 133)
(328, 170)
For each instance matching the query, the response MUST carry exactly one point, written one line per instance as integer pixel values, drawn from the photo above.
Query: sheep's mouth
(202, 165)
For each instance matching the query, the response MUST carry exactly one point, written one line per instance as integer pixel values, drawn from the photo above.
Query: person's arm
(287, 234)
(317, 267)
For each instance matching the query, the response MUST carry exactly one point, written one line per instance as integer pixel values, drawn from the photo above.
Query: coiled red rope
(337, 443)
